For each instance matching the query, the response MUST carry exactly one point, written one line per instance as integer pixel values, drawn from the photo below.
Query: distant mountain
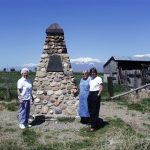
(87, 66)
(30, 66)
(82, 63)
(85, 63)
(77, 67)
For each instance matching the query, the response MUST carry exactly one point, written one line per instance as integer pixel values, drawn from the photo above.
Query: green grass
(143, 105)
(8, 85)
(29, 136)
(11, 106)
(147, 125)
(10, 130)
(76, 145)
(112, 123)
(65, 119)
(118, 89)
(117, 131)
(10, 145)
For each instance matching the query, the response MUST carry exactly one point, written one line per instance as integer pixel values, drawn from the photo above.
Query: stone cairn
(54, 87)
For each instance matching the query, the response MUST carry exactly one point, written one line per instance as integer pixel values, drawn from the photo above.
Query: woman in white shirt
(24, 90)
(94, 98)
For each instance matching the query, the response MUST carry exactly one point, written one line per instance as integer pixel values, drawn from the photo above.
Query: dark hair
(93, 70)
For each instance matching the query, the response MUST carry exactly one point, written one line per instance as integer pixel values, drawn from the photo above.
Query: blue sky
(95, 29)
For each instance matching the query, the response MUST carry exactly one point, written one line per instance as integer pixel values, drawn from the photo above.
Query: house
(131, 72)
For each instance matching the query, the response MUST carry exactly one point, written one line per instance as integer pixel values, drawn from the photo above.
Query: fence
(131, 91)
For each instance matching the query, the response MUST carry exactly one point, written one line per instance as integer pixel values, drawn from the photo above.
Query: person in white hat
(24, 90)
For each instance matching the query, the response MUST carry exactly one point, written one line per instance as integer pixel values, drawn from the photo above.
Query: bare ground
(134, 118)
(67, 131)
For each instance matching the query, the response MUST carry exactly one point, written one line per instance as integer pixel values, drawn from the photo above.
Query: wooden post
(110, 86)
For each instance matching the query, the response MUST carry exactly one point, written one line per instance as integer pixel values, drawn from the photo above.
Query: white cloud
(142, 55)
(84, 60)
(81, 60)
(29, 65)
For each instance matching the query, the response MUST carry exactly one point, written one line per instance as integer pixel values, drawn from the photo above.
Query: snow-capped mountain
(78, 65)
(85, 63)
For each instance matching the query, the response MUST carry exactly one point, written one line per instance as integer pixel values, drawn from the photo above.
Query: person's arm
(19, 88)
(18, 92)
(20, 97)
(100, 89)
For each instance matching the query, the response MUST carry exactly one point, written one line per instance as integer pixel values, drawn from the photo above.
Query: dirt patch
(136, 119)
(63, 131)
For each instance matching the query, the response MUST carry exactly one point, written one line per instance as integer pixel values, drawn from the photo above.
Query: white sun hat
(24, 70)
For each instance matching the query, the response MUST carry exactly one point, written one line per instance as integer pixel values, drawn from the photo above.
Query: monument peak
(54, 29)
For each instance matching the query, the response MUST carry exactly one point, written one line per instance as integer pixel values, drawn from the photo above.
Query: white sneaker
(29, 125)
(77, 117)
(21, 126)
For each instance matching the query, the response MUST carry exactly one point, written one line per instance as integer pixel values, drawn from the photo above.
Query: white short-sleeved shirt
(95, 83)
(25, 87)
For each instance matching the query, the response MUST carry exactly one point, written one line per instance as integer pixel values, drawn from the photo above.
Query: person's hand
(98, 95)
(74, 90)
(20, 99)
(31, 100)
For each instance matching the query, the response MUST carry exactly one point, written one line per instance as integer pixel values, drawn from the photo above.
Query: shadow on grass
(102, 123)
(38, 120)
(102, 127)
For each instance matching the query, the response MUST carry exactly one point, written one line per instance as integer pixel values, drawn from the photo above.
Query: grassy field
(114, 135)
(126, 126)
(8, 83)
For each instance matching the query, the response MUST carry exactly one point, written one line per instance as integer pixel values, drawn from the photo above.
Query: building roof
(128, 58)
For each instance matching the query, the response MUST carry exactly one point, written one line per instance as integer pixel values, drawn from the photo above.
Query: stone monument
(54, 87)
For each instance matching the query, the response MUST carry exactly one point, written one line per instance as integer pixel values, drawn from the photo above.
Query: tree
(12, 70)
(4, 69)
